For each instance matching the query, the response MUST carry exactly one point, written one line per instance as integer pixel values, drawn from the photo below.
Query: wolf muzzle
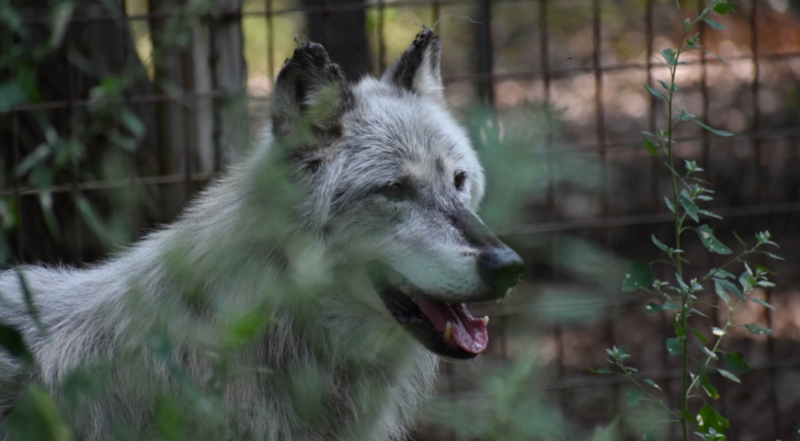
(498, 265)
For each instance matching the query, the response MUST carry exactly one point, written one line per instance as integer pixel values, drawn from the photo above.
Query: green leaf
(681, 283)
(62, 13)
(652, 308)
(736, 363)
(708, 352)
(702, 337)
(741, 241)
(711, 243)
(124, 142)
(680, 331)
(773, 256)
(669, 204)
(729, 375)
(650, 146)
(12, 18)
(688, 205)
(80, 386)
(714, 24)
(652, 383)
(716, 55)
(30, 305)
(747, 281)
(11, 340)
(649, 437)
(764, 269)
(722, 287)
(12, 94)
(35, 416)
(669, 56)
(724, 274)
(683, 116)
(711, 391)
(725, 7)
(669, 306)
(714, 131)
(132, 123)
(654, 92)
(674, 346)
(634, 397)
(660, 245)
(757, 330)
(708, 419)
(601, 371)
(92, 218)
(638, 275)
(710, 214)
(763, 303)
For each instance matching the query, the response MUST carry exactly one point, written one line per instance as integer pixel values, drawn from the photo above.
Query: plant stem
(649, 395)
(716, 345)
(678, 263)
(683, 320)
(728, 263)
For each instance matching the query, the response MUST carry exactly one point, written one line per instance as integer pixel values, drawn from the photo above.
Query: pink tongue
(469, 333)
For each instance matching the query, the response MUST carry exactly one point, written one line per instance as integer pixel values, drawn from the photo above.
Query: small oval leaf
(638, 275)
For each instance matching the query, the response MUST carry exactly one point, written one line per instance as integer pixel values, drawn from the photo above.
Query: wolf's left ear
(419, 68)
(310, 96)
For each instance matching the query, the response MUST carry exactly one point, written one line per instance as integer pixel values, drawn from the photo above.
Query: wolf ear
(419, 68)
(310, 96)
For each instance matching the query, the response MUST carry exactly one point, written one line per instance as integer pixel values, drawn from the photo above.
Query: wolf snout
(499, 268)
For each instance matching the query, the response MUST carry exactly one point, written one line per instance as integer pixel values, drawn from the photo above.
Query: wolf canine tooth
(448, 332)
(405, 289)
(485, 320)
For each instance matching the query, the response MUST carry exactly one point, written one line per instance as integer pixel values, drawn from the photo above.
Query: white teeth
(486, 320)
(448, 332)
(405, 289)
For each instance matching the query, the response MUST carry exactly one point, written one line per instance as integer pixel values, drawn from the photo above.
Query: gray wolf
(304, 296)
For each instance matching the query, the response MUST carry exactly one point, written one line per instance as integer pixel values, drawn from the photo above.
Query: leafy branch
(679, 296)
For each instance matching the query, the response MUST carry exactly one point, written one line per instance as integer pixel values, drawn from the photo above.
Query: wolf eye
(393, 191)
(459, 180)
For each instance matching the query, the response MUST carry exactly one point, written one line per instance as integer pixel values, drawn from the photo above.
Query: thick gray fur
(288, 246)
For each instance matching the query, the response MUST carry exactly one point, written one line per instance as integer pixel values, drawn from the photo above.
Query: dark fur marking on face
(439, 164)
(473, 230)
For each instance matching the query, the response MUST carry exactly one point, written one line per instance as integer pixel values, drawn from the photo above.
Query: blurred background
(113, 113)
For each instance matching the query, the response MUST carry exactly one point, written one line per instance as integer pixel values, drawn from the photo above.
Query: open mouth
(445, 329)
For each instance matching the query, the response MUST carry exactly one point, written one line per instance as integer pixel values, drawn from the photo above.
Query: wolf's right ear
(419, 68)
(310, 96)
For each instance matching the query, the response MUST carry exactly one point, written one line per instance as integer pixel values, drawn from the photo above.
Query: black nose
(500, 267)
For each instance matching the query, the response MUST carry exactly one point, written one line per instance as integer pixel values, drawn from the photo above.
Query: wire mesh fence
(201, 98)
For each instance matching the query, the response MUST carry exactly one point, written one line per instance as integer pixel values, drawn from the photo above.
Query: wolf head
(390, 175)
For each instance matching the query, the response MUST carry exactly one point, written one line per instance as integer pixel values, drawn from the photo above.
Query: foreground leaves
(35, 417)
